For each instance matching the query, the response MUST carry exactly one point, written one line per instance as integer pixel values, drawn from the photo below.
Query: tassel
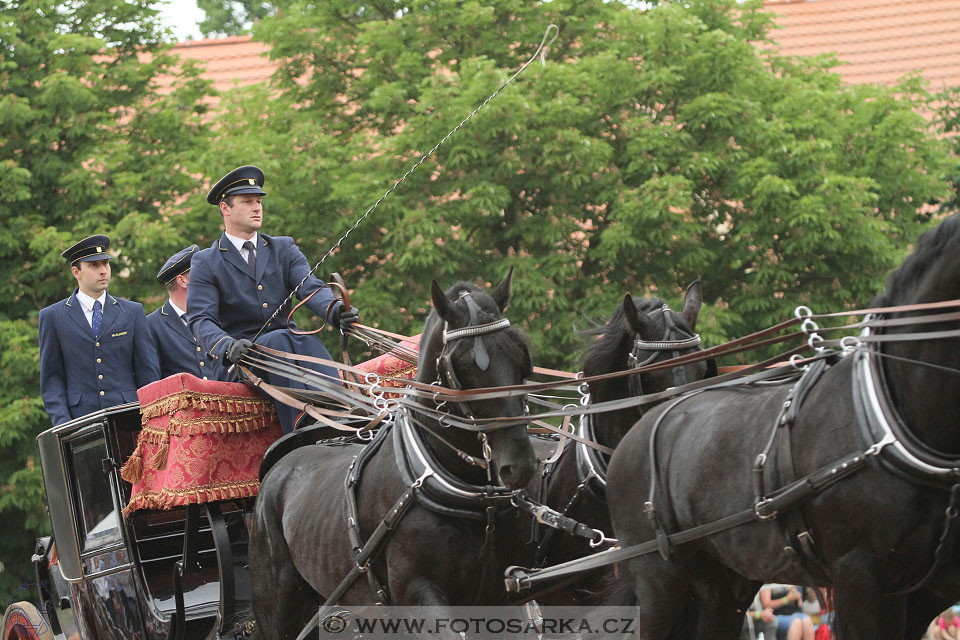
(132, 470)
(159, 460)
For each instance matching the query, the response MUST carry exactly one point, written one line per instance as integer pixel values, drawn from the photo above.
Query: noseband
(665, 343)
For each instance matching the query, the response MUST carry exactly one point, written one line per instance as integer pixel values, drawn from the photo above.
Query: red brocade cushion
(201, 441)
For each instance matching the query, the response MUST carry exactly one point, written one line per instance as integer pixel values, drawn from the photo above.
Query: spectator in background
(786, 601)
(759, 623)
(945, 627)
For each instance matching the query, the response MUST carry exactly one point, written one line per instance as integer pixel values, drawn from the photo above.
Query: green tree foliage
(87, 145)
(654, 147)
(232, 17)
(945, 106)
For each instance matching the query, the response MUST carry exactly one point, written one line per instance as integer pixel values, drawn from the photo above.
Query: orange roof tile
(880, 40)
(877, 40)
(229, 62)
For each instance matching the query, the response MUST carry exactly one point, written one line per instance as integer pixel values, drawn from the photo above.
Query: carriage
(158, 574)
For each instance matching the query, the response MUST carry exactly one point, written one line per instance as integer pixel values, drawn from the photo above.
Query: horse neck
(926, 398)
(431, 432)
(611, 426)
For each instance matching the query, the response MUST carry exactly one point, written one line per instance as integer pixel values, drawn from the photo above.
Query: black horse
(303, 543)
(867, 446)
(640, 332)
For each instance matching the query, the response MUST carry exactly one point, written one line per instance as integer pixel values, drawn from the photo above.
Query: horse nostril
(514, 476)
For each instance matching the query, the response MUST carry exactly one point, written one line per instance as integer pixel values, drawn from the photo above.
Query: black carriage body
(109, 577)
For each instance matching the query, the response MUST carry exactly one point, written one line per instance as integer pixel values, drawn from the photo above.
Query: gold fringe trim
(167, 499)
(159, 460)
(174, 402)
(209, 424)
(132, 469)
(236, 415)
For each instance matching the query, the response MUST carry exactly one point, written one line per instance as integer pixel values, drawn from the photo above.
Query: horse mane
(931, 246)
(605, 351)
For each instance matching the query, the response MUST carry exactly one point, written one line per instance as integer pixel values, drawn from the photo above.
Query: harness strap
(573, 436)
(354, 472)
(366, 555)
(546, 544)
(556, 520)
(519, 578)
(729, 348)
(756, 372)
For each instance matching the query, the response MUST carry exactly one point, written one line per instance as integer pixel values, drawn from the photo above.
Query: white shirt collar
(238, 242)
(87, 302)
(176, 309)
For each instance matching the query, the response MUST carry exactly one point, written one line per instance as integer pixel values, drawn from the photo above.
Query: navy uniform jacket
(80, 373)
(177, 349)
(225, 300)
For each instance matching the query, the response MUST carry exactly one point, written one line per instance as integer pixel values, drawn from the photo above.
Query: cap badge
(99, 249)
(252, 181)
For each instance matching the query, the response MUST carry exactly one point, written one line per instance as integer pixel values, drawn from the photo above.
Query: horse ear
(639, 323)
(440, 303)
(630, 313)
(501, 295)
(692, 301)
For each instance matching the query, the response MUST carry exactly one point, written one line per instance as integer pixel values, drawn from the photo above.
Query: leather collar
(440, 491)
(882, 424)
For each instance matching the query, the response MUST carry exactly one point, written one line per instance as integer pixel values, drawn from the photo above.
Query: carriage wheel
(23, 621)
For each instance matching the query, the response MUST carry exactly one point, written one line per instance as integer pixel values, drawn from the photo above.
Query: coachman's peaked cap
(88, 250)
(177, 264)
(246, 179)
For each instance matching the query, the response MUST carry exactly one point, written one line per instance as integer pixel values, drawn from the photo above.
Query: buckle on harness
(759, 508)
(600, 538)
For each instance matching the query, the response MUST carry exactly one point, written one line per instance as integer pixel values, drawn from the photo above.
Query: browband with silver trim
(476, 330)
(668, 345)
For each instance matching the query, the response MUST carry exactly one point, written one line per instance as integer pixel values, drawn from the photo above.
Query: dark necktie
(251, 256)
(97, 318)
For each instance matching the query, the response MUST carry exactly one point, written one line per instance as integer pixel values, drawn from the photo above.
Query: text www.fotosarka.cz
(480, 623)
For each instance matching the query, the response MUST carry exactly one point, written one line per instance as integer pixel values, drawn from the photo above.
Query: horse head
(468, 344)
(640, 332)
(659, 333)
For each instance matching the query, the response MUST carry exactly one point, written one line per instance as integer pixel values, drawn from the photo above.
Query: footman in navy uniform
(238, 283)
(177, 348)
(95, 350)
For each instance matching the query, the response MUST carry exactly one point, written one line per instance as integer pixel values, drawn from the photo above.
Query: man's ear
(75, 270)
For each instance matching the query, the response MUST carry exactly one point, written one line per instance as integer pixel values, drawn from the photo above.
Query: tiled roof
(229, 62)
(881, 40)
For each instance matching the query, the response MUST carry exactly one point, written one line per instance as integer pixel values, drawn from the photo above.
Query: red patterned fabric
(201, 441)
(389, 364)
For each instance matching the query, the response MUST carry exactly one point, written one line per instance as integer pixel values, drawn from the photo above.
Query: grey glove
(343, 317)
(238, 349)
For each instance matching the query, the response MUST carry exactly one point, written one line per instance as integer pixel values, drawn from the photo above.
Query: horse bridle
(445, 368)
(656, 347)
